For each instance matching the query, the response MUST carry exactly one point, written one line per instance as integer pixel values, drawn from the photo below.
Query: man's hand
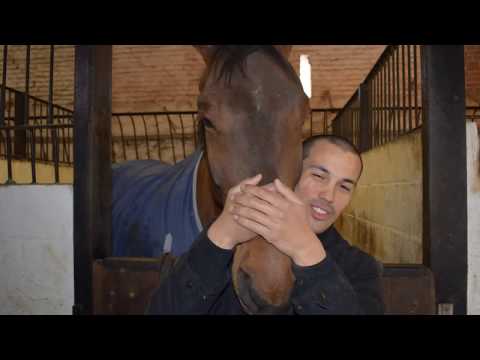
(277, 214)
(225, 232)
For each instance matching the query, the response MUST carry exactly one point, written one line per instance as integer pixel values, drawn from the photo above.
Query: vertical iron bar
(9, 157)
(171, 138)
(404, 90)
(146, 136)
(134, 136)
(4, 85)
(33, 154)
(389, 98)
(194, 131)
(417, 112)
(397, 82)
(27, 84)
(158, 138)
(183, 136)
(123, 138)
(384, 101)
(409, 75)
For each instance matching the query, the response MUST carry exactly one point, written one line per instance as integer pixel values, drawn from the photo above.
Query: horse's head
(251, 110)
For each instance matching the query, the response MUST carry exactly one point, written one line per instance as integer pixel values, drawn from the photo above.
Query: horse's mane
(231, 58)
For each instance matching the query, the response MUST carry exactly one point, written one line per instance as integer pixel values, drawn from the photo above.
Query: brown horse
(251, 111)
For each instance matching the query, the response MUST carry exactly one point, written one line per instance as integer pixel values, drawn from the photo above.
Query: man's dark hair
(340, 141)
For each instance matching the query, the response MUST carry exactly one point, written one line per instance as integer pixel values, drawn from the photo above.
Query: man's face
(326, 185)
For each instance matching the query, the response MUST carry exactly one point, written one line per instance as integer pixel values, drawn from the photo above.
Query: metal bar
(409, 87)
(20, 135)
(50, 85)
(43, 143)
(65, 150)
(27, 84)
(195, 129)
(146, 137)
(147, 113)
(416, 85)
(135, 137)
(70, 150)
(55, 155)
(55, 146)
(92, 168)
(384, 97)
(183, 137)
(4, 85)
(171, 138)
(9, 157)
(389, 99)
(123, 140)
(158, 138)
(9, 108)
(404, 90)
(325, 119)
(33, 156)
(39, 127)
(397, 82)
(445, 172)
(365, 118)
(311, 123)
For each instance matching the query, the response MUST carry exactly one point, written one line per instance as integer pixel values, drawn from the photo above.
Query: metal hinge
(77, 309)
(445, 309)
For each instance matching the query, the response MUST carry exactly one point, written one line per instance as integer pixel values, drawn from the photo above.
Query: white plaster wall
(473, 198)
(36, 249)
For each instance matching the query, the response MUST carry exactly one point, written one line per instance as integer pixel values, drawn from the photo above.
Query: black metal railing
(170, 136)
(23, 110)
(388, 103)
(166, 135)
(8, 134)
(19, 109)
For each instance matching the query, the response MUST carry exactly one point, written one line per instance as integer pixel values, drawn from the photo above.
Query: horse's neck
(208, 208)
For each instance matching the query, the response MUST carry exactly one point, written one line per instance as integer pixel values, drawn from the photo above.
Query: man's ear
(206, 51)
(285, 50)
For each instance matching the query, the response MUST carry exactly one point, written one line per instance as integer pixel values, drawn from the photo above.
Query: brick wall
(472, 74)
(155, 77)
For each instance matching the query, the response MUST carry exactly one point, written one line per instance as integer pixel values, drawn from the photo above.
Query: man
(200, 282)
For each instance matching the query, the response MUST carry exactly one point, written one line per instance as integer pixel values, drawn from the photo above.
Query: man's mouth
(320, 212)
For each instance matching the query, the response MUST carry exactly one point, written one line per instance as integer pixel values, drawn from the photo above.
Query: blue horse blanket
(154, 209)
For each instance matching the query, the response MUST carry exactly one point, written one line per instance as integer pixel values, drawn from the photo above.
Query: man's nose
(328, 193)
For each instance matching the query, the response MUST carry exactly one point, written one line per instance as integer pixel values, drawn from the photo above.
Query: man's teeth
(319, 210)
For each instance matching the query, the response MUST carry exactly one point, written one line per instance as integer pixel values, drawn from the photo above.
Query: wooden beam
(444, 173)
(92, 167)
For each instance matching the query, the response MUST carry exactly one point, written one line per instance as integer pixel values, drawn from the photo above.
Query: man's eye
(319, 176)
(346, 188)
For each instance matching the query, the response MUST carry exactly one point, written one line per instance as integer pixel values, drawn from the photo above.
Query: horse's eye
(208, 123)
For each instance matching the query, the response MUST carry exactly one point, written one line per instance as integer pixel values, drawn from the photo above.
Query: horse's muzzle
(252, 302)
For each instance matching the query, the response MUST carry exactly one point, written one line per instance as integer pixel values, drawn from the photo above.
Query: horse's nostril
(244, 277)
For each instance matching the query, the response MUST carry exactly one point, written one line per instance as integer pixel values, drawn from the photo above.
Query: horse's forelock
(226, 59)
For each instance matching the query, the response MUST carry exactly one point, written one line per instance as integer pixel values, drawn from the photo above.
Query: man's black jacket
(347, 281)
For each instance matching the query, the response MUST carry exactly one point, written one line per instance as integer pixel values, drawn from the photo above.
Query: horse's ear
(206, 51)
(284, 50)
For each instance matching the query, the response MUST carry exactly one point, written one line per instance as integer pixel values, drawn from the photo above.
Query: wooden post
(92, 168)
(444, 174)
